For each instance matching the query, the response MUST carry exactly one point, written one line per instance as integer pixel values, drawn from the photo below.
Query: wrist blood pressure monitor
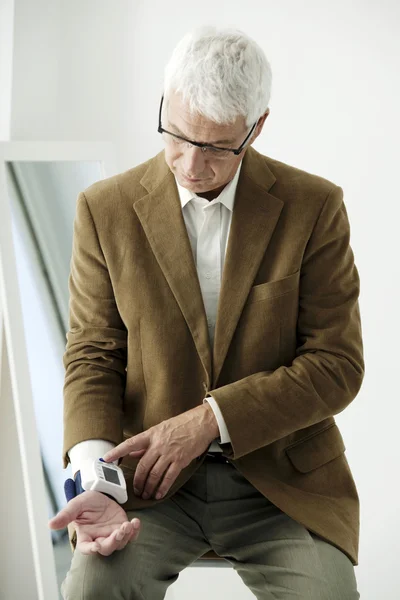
(99, 476)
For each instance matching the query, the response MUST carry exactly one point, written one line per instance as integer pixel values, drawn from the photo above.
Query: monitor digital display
(111, 475)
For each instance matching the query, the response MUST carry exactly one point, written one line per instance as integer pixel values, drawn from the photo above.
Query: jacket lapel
(255, 215)
(160, 214)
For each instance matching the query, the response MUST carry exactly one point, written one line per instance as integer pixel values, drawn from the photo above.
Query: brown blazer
(288, 352)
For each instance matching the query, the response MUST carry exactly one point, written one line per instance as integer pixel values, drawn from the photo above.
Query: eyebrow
(179, 132)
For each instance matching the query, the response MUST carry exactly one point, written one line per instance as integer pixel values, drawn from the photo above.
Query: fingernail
(145, 496)
(136, 491)
(158, 495)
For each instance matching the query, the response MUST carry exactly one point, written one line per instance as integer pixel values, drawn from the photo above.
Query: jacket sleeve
(96, 351)
(328, 367)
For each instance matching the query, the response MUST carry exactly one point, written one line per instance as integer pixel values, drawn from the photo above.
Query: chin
(199, 186)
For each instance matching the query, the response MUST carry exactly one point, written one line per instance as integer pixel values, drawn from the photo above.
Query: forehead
(198, 127)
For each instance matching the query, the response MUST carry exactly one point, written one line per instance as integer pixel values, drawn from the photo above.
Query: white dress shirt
(208, 224)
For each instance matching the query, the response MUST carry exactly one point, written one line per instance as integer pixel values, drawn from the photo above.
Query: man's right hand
(101, 523)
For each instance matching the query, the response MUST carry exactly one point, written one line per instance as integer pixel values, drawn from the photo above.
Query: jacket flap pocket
(315, 451)
(274, 288)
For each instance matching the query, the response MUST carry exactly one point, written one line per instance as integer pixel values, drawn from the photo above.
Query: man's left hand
(167, 448)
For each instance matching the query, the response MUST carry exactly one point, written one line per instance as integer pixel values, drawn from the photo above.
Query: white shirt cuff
(88, 449)
(223, 430)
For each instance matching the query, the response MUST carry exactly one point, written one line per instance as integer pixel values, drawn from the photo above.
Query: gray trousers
(218, 509)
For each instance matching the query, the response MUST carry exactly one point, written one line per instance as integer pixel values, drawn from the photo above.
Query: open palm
(101, 523)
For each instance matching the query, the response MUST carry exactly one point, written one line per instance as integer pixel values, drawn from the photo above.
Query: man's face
(192, 167)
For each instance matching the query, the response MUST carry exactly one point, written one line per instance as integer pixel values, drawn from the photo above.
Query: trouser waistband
(216, 457)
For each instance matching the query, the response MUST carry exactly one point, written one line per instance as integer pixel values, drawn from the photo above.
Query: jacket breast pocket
(275, 288)
(317, 450)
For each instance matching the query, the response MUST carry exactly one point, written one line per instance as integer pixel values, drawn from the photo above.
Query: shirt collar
(226, 197)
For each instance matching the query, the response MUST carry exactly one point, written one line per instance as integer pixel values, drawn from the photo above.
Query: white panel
(16, 551)
(24, 520)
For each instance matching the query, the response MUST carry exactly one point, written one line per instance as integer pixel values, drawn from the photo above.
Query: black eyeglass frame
(235, 151)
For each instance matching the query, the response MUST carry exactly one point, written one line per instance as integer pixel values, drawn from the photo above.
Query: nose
(193, 161)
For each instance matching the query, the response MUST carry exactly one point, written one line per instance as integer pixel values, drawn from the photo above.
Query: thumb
(67, 514)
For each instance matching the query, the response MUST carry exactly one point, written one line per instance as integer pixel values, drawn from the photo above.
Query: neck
(212, 193)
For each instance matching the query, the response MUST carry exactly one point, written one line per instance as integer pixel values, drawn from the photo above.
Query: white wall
(6, 65)
(93, 71)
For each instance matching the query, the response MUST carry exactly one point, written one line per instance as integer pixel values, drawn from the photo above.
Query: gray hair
(220, 74)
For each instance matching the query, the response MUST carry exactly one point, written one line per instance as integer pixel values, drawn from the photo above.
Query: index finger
(134, 444)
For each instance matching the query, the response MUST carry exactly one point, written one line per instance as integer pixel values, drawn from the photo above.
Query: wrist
(73, 487)
(211, 422)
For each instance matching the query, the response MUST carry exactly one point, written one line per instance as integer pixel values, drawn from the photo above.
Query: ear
(261, 121)
(260, 126)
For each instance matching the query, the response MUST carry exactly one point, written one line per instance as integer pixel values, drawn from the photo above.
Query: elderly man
(214, 334)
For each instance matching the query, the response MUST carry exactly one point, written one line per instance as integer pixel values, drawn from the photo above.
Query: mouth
(192, 180)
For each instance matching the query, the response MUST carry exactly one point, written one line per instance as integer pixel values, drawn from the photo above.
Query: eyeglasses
(211, 151)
